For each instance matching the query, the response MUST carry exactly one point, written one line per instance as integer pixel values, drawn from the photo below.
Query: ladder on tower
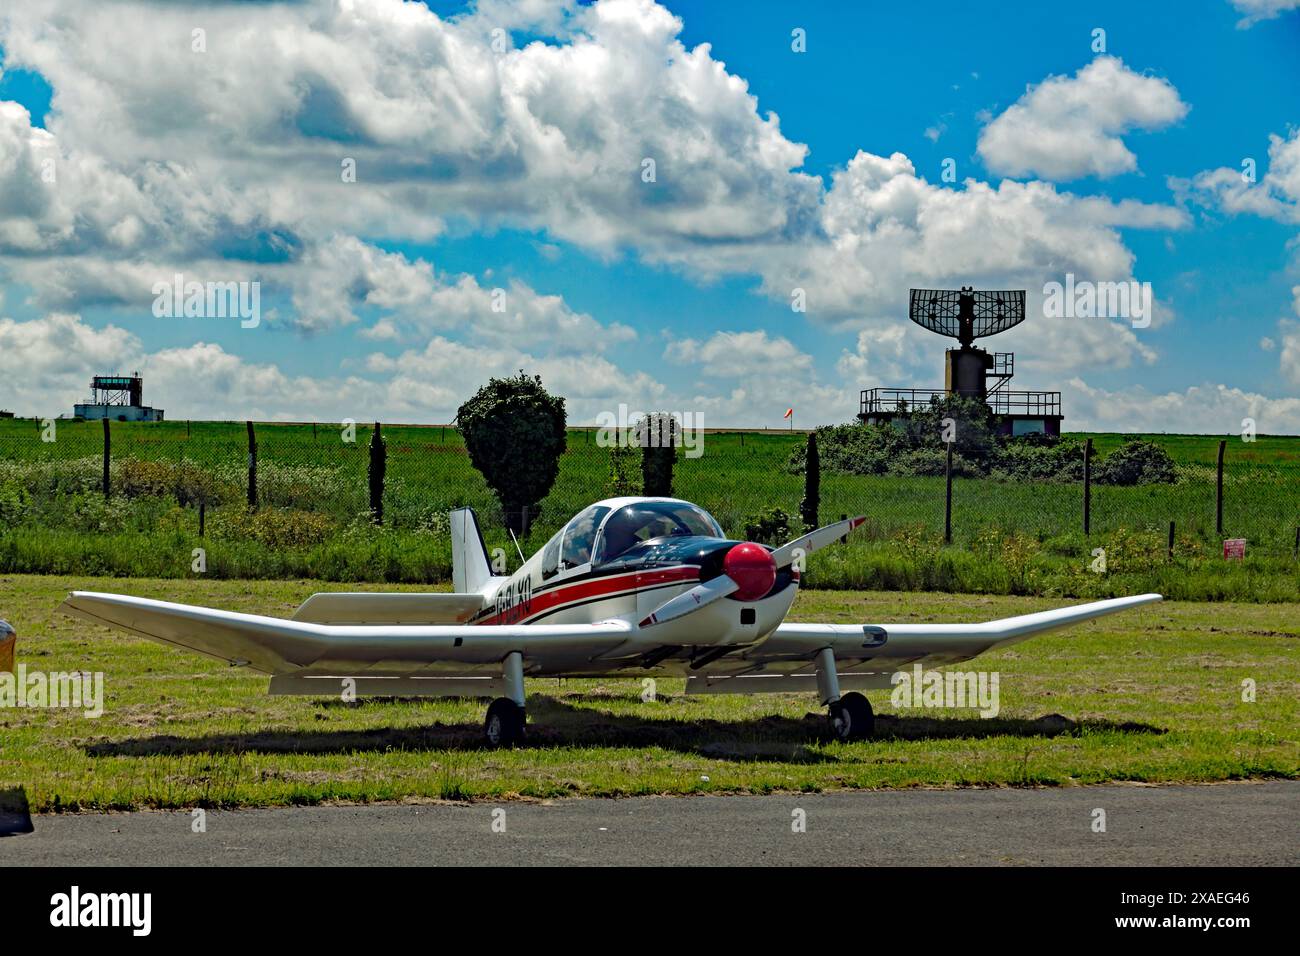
(1004, 366)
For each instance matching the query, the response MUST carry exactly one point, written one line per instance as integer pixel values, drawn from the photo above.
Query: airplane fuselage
(631, 587)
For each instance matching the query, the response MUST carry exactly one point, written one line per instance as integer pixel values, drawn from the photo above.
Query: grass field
(1008, 537)
(1154, 695)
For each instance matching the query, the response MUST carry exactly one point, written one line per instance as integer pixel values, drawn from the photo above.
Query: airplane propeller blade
(696, 597)
(813, 540)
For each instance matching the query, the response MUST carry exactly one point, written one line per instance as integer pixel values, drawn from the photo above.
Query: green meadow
(1155, 695)
(1009, 537)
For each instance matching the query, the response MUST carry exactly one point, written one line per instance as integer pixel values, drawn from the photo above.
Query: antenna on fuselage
(522, 559)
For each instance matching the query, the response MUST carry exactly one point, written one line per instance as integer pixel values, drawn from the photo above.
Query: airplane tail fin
(471, 573)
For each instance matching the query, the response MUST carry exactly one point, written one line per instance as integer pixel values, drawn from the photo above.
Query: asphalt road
(1253, 824)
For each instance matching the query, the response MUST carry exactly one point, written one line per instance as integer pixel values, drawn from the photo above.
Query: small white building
(118, 398)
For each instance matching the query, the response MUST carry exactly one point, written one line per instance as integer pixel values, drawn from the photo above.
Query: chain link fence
(311, 485)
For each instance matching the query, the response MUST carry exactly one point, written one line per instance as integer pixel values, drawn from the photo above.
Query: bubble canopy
(638, 521)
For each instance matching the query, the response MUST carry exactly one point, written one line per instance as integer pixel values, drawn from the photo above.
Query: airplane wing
(398, 607)
(866, 655)
(283, 647)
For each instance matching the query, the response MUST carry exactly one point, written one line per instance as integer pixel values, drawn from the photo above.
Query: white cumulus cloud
(1070, 127)
(1275, 195)
(1257, 10)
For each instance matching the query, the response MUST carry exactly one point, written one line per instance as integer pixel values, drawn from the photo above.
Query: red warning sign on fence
(1234, 548)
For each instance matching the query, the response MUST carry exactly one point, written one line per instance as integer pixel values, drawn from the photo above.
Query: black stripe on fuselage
(603, 597)
(491, 609)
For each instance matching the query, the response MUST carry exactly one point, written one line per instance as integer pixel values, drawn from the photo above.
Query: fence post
(845, 539)
(947, 498)
(1218, 491)
(378, 466)
(1295, 551)
(252, 466)
(1087, 487)
(107, 447)
(203, 508)
(1171, 541)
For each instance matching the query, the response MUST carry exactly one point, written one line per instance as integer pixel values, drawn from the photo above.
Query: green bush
(932, 462)
(92, 512)
(622, 467)
(769, 527)
(972, 428)
(13, 504)
(276, 527)
(1039, 458)
(1136, 462)
(913, 446)
(152, 478)
(852, 449)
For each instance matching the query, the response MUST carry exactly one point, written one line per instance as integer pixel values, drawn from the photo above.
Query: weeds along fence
(279, 489)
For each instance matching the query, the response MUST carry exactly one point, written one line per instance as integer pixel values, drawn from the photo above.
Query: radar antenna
(966, 315)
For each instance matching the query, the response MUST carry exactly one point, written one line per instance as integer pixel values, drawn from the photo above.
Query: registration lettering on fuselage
(514, 601)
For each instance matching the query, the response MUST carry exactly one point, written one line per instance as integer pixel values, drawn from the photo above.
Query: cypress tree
(378, 466)
(812, 485)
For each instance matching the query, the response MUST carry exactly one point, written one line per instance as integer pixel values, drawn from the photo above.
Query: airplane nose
(753, 569)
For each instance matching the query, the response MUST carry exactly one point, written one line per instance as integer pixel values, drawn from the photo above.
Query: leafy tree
(622, 462)
(657, 435)
(514, 433)
(812, 484)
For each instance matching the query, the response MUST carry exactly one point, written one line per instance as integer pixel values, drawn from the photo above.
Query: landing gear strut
(506, 719)
(850, 715)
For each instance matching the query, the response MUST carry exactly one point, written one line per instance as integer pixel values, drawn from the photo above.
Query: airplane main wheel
(851, 717)
(504, 725)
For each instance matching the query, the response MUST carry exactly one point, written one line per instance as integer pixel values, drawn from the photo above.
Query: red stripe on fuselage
(587, 588)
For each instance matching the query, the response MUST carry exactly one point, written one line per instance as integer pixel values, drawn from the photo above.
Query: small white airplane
(630, 587)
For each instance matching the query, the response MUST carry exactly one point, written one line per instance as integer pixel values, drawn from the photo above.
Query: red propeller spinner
(753, 569)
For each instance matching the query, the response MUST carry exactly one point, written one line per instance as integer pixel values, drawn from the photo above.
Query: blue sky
(877, 78)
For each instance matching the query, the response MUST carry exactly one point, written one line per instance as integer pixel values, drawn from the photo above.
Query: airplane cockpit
(641, 521)
(609, 529)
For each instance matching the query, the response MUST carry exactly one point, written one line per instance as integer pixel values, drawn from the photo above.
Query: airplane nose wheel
(504, 725)
(851, 717)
